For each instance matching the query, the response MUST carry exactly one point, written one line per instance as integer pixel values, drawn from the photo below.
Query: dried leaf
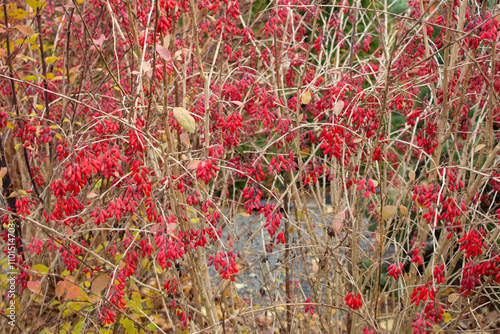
(238, 103)
(3, 172)
(403, 209)
(338, 221)
(202, 14)
(171, 228)
(357, 140)
(306, 97)
(375, 183)
(338, 107)
(453, 297)
(60, 288)
(100, 283)
(315, 266)
(412, 175)
(99, 41)
(91, 195)
(193, 164)
(479, 148)
(146, 67)
(34, 286)
(185, 119)
(212, 19)
(185, 139)
(389, 211)
(163, 52)
(25, 30)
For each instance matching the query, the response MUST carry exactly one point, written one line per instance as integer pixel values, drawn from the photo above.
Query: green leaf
(152, 327)
(41, 268)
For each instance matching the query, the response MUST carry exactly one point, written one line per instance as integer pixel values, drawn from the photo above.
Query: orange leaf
(34, 286)
(25, 30)
(60, 288)
(74, 292)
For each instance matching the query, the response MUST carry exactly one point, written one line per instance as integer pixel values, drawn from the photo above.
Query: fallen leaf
(412, 175)
(403, 209)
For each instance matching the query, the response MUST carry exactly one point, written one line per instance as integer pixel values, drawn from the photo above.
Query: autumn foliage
(236, 166)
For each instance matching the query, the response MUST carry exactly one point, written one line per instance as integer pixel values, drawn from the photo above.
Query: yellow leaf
(388, 211)
(446, 317)
(41, 268)
(34, 4)
(412, 175)
(306, 97)
(51, 59)
(304, 153)
(403, 209)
